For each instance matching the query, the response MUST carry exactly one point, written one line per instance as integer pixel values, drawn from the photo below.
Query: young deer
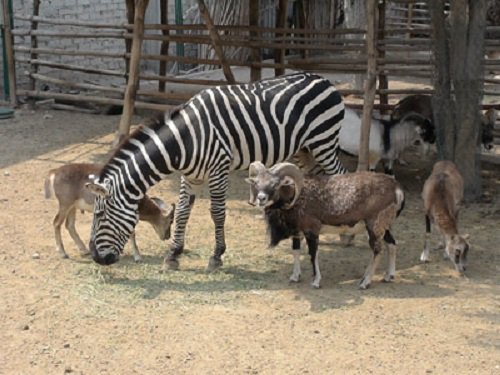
(443, 191)
(67, 184)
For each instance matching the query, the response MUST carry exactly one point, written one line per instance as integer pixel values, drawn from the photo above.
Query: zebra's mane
(153, 123)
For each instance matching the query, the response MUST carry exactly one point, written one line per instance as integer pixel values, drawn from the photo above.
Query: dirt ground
(60, 316)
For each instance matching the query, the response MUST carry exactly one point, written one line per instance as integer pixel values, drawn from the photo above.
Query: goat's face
(457, 249)
(268, 189)
(112, 225)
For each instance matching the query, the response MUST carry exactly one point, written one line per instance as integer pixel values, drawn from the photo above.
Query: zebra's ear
(96, 187)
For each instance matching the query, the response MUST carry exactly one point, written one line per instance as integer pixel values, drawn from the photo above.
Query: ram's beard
(280, 226)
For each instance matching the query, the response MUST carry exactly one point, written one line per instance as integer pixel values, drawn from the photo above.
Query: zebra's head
(113, 223)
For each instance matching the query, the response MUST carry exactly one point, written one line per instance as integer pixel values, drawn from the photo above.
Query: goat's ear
(466, 237)
(159, 202)
(97, 188)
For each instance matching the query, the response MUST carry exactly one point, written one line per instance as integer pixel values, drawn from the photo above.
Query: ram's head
(280, 184)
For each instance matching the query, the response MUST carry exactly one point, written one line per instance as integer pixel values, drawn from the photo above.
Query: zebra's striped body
(219, 130)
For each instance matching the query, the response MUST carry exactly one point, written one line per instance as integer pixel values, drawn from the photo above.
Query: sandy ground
(72, 316)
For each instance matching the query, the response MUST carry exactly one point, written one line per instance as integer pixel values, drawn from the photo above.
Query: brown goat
(67, 184)
(443, 191)
(294, 205)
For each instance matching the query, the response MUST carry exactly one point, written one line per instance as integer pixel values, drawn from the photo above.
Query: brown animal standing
(443, 192)
(295, 204)
(67, 184)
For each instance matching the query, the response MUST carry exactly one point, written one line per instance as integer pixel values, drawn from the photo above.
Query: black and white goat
(421, 104)
(294, 205)
(67, 184)
(388, 139)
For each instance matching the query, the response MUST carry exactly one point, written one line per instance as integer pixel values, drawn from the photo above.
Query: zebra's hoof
(214, 264)
(170, 264)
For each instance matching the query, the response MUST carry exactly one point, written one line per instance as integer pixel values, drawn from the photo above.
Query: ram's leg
(295, 277)
(424, 257)
(376, 243)
(182, 212)
(391, 258)
(70, 226)
(218, 185)
(312, 244)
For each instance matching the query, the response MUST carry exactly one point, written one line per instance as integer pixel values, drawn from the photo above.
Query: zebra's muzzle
(106, 260)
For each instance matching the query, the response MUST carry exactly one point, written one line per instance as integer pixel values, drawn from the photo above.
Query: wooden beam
(279, 53)
(253, 14)
(128, 42)
(9, 51)
(383, 84)
(369, 84)
(133, 79)
(164, 44)
(216, 43)
(34, 44)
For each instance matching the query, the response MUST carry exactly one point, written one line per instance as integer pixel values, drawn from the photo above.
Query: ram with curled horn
(296, 205)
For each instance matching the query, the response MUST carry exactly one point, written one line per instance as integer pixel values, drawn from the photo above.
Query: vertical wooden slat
(279, 54)
(133, 78)
(9, 53)
(214, 36)
(369, 86)
(382, 78)
(164, 44)
(255, 71)
(128, 42)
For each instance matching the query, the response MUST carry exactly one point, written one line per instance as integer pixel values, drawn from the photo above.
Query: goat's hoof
(139, 259)
(214, 264)
(388, 278)
(63, 256)
(315, 285)
(294, 278)
(363, 284)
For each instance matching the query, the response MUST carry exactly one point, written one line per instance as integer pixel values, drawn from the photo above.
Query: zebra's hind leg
(218, 185)
(182, 212)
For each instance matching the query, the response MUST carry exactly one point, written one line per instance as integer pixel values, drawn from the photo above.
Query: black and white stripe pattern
(219, 130)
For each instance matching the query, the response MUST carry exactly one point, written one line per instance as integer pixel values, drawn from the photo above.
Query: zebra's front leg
(218, 188)
(182, 212)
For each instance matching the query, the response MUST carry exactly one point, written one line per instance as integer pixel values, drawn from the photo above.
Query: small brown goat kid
(443, 192)
(294, 205)
(67, 184)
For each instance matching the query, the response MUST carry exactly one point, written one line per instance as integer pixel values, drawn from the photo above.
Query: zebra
(219, 130)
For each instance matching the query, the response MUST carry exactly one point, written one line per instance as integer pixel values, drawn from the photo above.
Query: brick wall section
(99, 11)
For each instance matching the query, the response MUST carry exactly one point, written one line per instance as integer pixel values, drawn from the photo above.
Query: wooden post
(164, 44)
(214, 36)
(34, 44)
(9, 49)
(128, 42)
(133, 78)
(369, 86)
(279, 53)
(382, 78)
(255, 71)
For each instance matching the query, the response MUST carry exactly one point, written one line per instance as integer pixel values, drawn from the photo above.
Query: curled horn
(291, 170)
(254, 170)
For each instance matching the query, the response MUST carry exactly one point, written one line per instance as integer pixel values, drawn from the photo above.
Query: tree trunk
(458, 50)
